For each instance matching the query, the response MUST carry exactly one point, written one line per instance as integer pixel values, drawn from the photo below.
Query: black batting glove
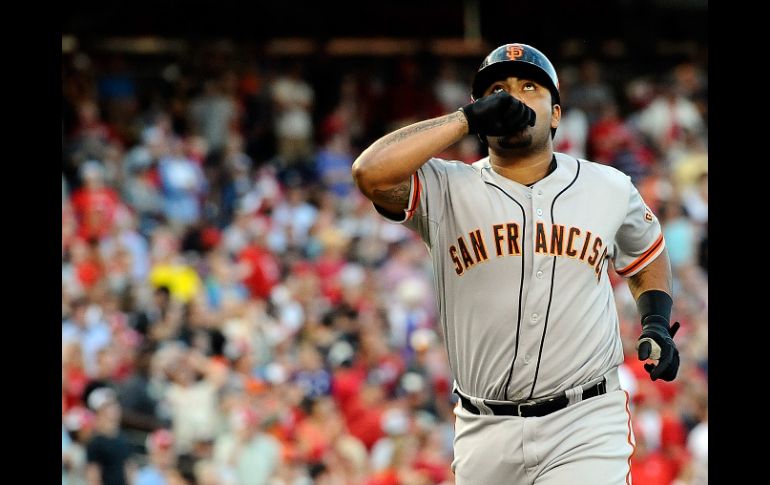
(498, 114)
(657, 342)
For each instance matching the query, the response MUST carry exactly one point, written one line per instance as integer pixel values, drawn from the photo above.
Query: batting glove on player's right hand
(657, 342)
(498, 114)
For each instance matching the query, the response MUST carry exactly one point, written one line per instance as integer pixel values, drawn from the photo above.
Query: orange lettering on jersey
(467, 259)
(514, 52)
(562, 241)
(458, 265)
(513, 238)
(557, 239)
(573, 233)
(477, 243)
(541, 244)
(585, 246)
(595, 254)
(496, 229)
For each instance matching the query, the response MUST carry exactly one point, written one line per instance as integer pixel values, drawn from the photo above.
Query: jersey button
(527, 358)
(534, 317)
(539, 212)
(539, 274)
(529, 196)
(539, 192)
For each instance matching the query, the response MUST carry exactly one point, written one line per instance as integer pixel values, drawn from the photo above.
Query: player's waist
(543, 405)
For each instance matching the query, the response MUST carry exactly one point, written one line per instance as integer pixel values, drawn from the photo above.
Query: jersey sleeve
(427, 199)
(639, 239)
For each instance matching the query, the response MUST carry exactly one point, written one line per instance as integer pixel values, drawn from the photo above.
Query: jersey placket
(536, 300)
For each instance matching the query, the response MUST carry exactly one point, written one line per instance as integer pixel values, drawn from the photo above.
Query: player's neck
(524, 170)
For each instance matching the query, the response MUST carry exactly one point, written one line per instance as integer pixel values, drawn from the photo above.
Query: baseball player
(520, 241)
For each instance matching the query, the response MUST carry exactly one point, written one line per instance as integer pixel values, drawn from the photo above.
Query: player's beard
(521, 143)
(517, 141)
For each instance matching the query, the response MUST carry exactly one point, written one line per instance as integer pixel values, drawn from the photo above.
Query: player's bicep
(417, 203)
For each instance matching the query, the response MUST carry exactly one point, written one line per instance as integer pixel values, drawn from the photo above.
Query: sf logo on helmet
(514, 52)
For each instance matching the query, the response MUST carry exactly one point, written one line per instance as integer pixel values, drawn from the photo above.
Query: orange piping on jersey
(415, 196)
(454, 421)
(633, 446)
(643, 258)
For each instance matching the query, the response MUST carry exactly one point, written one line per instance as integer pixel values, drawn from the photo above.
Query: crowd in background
(234, 311)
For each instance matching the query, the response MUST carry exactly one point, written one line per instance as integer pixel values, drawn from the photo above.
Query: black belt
(540, 408)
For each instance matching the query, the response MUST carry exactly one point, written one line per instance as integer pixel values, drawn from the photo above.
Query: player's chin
(522, 139)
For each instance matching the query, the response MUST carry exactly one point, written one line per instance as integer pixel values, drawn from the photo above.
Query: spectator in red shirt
(95, 204)
(74, 376)
(87, 265)
(360, 402)
(430, 458)
(331, 262)
(651, 467)
(260, 270)
(317, 433)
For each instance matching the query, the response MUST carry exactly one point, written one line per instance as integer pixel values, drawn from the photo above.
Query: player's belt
(535, 408)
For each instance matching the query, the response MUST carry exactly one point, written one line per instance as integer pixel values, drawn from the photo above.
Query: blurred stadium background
(251, 317)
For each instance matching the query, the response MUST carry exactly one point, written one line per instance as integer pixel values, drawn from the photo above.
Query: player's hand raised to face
(498, 114)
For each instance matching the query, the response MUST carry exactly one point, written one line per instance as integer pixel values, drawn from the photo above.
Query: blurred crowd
(234, 312)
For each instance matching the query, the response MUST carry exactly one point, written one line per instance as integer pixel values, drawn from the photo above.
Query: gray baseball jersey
(525, 303)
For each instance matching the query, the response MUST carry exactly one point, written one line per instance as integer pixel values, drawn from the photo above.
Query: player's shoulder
(455, 164)
(454, 167)
(598, 171)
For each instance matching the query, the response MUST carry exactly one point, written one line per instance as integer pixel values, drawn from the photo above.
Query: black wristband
(655, 302)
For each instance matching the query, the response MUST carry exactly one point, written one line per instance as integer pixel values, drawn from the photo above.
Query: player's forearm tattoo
(411, 130)
(395, 195)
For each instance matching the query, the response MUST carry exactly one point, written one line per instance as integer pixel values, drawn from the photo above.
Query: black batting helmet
(516, 59)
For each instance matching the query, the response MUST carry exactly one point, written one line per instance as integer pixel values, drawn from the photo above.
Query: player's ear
(555, 115)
